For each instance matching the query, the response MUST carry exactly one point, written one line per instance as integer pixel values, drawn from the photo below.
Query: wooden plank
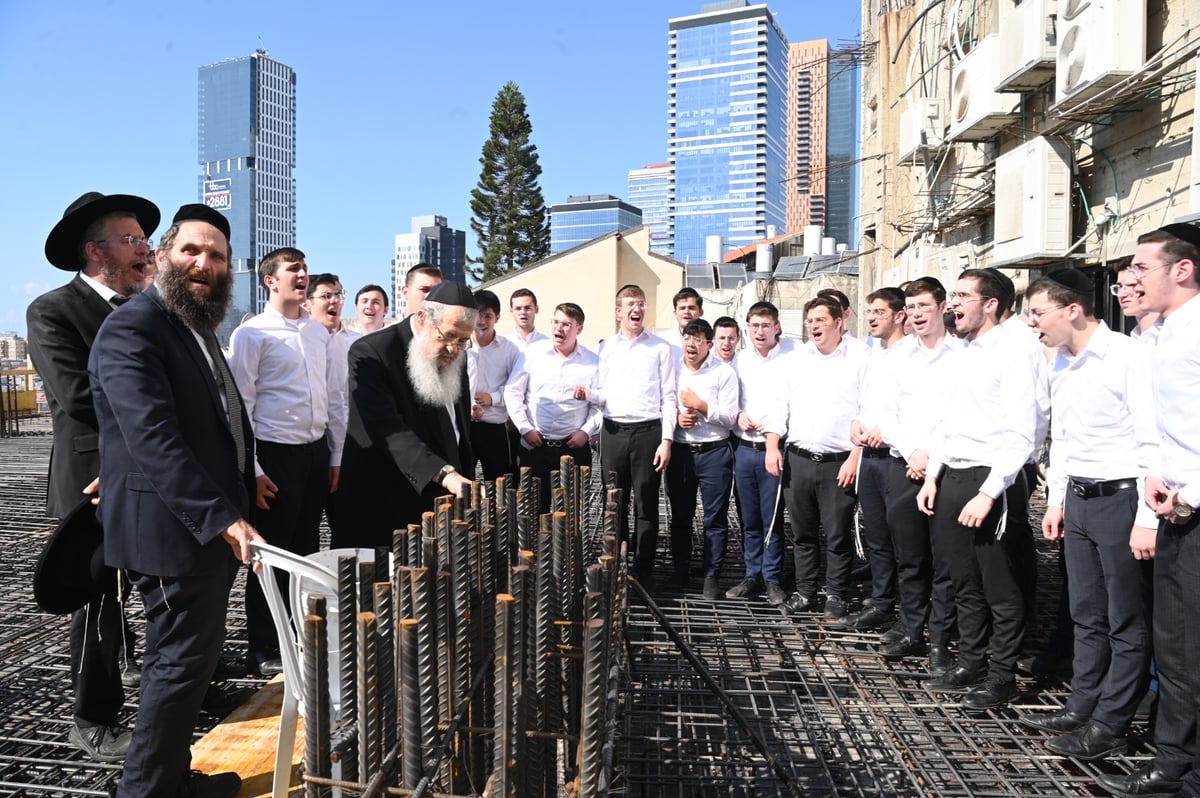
(245, 743)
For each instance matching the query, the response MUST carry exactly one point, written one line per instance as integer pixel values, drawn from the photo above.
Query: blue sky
(392, 108)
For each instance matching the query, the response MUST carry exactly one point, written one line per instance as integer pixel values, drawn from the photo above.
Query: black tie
(233, 402)
(118, 300)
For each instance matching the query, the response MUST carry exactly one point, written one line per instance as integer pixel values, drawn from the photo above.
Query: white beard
(435, 384)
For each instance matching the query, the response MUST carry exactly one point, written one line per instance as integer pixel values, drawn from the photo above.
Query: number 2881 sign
(218, 194)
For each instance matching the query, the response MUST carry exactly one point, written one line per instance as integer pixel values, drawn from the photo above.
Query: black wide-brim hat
(62, 245)
(70, 571)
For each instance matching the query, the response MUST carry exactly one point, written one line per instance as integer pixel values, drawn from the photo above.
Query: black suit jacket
(62, 325)
(168, 463)
(395, 444)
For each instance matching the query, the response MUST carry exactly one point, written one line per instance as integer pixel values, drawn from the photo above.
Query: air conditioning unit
(921, 126)
(1100, 43)
(977, 110)
(1033, 203)
(1028, 46)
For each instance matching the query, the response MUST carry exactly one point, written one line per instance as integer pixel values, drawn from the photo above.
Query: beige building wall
(590, 276)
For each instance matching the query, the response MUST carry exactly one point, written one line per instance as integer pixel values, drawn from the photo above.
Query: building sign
(218, 194)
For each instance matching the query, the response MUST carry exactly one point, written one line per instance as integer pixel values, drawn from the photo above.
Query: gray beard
(435, 384)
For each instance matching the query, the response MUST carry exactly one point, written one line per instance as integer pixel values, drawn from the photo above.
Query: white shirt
(878, 384)
(1148, 337)
(106, 293)
(523, 343)
(339, 374)
(909, 414)
(817, 396)
(991, 410)
(637, 381)
(540, 393)
(1177, 400)
(757, 386)
(488, 369)
(281, 367)
(1103, 416)
(1039, 359)
(717, 384)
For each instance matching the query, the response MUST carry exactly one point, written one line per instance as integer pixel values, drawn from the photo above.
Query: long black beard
(199, 313)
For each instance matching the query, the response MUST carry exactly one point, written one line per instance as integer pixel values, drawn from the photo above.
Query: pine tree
(508, 213)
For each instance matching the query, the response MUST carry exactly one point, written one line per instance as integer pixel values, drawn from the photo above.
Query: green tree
(508, 213)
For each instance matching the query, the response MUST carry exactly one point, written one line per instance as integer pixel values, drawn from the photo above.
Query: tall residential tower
(650, 190)
(431, 241)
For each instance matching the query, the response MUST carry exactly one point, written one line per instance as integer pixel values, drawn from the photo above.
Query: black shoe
(266, 665)
(101, 743)
(799, 603)
(954, 680)
(231, 669)
(1087, 743)
(131, 676)
(216, 785)
(747, 588)
(940, 659)
(712, 590)
(873, 617)
(995, 691)
(1059, 721)
(835, 608)
(893, 634)
(219, 702)
(1145, 782)
(775, 595)
(904, 647)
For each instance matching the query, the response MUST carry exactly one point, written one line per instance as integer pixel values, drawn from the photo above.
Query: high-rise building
(841, 149)
(247, 147)
(650, 190)
(727, 126)
(431, 241)
(586, 216)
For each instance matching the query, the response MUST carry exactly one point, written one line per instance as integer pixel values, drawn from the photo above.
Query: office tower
(247, 146)
(650, 190)
(587, 216)
(431, 241)
(727, 126)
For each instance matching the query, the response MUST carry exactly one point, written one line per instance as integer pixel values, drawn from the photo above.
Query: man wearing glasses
(104, 240)
(1129, 297)
(1165, 265)
(291, 388)
(985, 438)
(409, 438)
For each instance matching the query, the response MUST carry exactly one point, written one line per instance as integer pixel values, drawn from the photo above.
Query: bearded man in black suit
(410, 416)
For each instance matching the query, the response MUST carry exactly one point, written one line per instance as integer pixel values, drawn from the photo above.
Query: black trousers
(293, 522)
(490, 445)
(545, 459)
(816, 502)
(1112, 621)
(96, 637)
(987, 588)
(924, 586)
(876, 535)
(185, 629)
(1177, 648)
(627, 450)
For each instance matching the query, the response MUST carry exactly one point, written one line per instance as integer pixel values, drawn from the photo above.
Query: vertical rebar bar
(503, 759)
(410, 702)
(548, 710)
(427, 641)
(521, 581)
(317, 712)
(595, 688)
(347, 677)
(457, 634)
(386, 680)
(369, 749)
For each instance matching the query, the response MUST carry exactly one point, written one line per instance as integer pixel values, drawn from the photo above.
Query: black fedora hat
(70, 571)
(62, 245)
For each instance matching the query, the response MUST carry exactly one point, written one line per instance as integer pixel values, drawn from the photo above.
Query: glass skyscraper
(727, 126)
(650, 190)
(588, 216)
(247, 151)
(841, 177)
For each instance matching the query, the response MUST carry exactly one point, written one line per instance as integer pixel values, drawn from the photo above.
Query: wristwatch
(1181, 509)
(441, 475)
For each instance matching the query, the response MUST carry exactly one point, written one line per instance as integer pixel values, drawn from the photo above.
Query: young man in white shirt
(524, 308)
(1129, 296)
(986, 437)
(1166, 265)
(688, 305)
(371, 307)
(1104, 443)
(700, 455)
(727, 339)
(420, 280)
(490, 362)
(540, 396)
(280, 362)
(636, 394)
(819, 385)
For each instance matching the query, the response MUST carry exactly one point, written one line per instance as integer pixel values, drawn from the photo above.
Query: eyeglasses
(1139, 271)
(1116, 290)
(696, 339)
(635, 305)
(451, 342)
(919, 306)
(133, 241)
(330, 295)
(879, 311)
(959, 296)
(1037, 313)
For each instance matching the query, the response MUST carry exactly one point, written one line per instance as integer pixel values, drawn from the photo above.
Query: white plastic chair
(314, 574)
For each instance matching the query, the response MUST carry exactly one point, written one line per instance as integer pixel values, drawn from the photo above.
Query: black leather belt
(629, 426)
(705, 446)
(758, 446)
(820, 457)
(877, 454)
(1090, 490)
